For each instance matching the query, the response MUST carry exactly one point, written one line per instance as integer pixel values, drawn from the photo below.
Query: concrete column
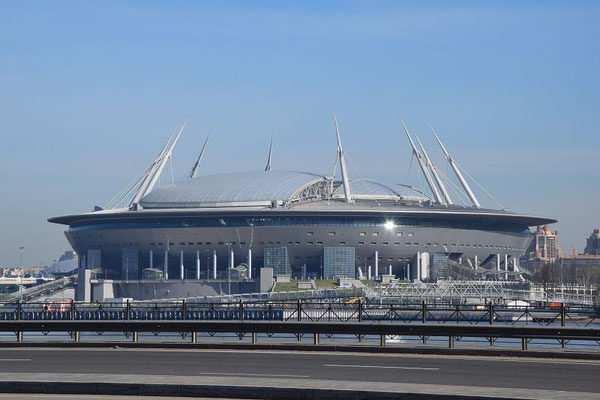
(390, 270)
(151, 262)
(181, 268)
(506, 267)
(498, 266)
(418, 266)
(249, 263)
(166, 266)
(476, 262)
(231, 259)
(198, 264)
(376, 264)
(369, 273)
(408, 272)
(214, 264)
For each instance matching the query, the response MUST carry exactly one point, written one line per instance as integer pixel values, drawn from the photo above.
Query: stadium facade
(205, 227)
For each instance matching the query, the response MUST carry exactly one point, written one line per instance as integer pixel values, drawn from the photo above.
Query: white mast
(340, 151)
(459, 175)
(151, 170)
(196, 166)
(270, 159)
(163, 162)
(434, 172)
(436, 194)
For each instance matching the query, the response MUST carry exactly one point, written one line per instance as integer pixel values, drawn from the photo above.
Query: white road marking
(378, 366)
(15, 359)
(244, 374)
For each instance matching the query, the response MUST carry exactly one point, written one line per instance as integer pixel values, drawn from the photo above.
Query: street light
(21, 274)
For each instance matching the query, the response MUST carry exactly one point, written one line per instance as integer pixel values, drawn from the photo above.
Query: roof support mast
(270, 159)
(459, 175)
(435, 174)
(163, 162)
(196, 167)
(340, 152)
(419, 156)
(148, 176)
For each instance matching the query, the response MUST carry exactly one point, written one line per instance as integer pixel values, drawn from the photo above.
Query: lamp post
(21, 274)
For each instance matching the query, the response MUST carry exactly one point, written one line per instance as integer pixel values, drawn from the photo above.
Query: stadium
(207, 229)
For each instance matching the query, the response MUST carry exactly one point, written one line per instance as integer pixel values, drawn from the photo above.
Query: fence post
(316, 339)
(241, 310)
(491, 320)
(451, 342)
(424, 312)
(254, 338)
(524, 343)
(183, 310)
(382, 340)
(299, 310)
(18, 317)
(360, 310)
(563, 314)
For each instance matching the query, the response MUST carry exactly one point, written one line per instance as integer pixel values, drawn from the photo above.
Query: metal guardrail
(383, 330)
(356, 310)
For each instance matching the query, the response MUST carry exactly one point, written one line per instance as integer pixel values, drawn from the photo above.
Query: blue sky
(90, 90)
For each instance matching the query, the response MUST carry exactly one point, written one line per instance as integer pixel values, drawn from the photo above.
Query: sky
(89, 91)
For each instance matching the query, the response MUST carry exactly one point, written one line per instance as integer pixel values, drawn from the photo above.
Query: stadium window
(320, 243)
(242, 243)
(171, 243)
(375, 233)
(220, 243)
(386, 243)
(277, 242)
(296, 242)
(208, 243)
(309, 243)
(361, 243)
(390, 259)
(428, 244)
(182, 243)
(398, 233)
(397, 244)
(190, 243)
(411, 234)
(290, 243)
(415, 244)
(331, 233)
(270, 242)
(373, 243)
(407, 244)
(152, 244)
(363, 234)
(261, 242)
(160, 244)
(309, 233)
(342, 243)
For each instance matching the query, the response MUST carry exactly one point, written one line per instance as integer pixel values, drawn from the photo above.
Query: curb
(218, 391)
(543, 354)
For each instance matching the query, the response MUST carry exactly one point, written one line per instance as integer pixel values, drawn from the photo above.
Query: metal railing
(355, 310)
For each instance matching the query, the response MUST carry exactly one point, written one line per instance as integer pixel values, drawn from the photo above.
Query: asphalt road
(572, 376)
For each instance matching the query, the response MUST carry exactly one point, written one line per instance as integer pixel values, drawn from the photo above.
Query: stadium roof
(232, 189)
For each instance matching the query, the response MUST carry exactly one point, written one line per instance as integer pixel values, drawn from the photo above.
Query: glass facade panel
(129, 263)
(440, 266)
(338, 262)
(277, 258)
